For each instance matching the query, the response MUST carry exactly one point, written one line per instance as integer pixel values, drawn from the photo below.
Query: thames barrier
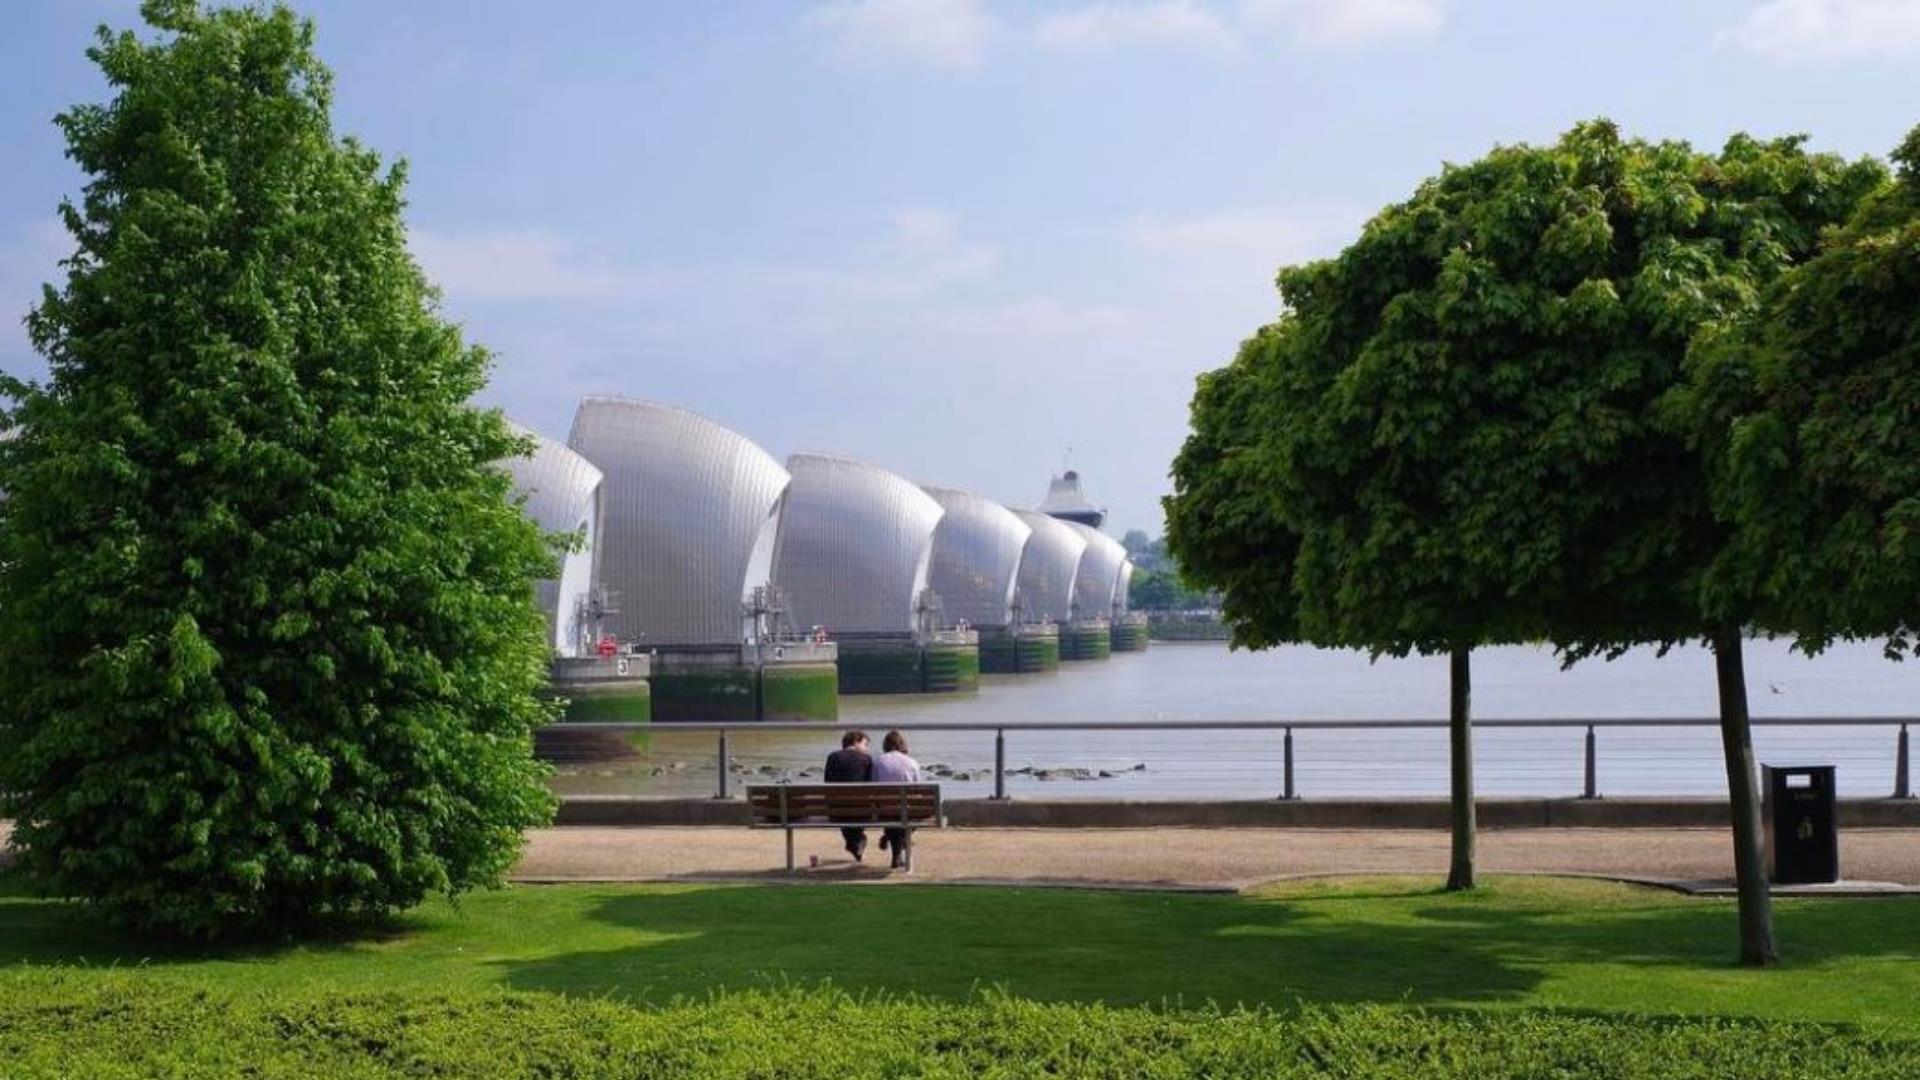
(706, 582)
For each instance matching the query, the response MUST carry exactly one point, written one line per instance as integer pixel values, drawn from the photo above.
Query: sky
(971, 241)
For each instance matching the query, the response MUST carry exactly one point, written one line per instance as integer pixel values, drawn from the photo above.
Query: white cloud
(934, 251)
(1269, 236)
(1215, 271)
(956, 34)
(833, 291)
(524, 264)
(1040, 317)
(926, 252)
(936, 286)
(1112, 25)
(924, 255)
(1828, 29)
(973, 260)
(1346, 22)
(923, 230)
(944, 33)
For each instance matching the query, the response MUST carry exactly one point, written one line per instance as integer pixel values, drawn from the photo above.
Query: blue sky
(952, 237)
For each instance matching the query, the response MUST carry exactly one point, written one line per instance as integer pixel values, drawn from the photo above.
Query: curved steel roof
(1047, 568)
(559, 484)
(1120, 587)
(561, 491)
(854, 546)
(1099, 573)
(976, 558)
(687, 505)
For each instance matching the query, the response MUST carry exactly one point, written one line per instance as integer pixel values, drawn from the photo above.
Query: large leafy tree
(1691, 242)
(1809, 413)
(1274, 507)
(1511, 397)
(1469, 434)
(270, 653)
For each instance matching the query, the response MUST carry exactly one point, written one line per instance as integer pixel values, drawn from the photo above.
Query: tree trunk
(1743, 795)
(1460, 732)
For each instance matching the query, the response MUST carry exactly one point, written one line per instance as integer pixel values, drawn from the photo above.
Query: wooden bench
(847, 806)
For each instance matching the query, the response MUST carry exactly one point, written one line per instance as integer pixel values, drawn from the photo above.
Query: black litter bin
(1803, 833)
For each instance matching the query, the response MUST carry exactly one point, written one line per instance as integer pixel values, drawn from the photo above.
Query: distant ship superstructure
(1067, 502)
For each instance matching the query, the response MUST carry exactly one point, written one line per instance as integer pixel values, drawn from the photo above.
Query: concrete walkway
(1167, 858)
(1211, 859)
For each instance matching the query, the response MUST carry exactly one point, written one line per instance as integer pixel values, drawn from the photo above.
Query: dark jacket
(849, 766)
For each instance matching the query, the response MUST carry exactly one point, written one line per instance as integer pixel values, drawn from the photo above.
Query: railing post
(1902, 784)
(725, 762)
(786, 822)
(1288, 793)
(1592, 788)
(999, 763)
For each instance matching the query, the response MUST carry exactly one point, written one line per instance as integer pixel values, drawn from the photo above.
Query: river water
(1206, 681)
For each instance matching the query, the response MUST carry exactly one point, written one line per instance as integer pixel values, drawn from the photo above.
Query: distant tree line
(1156, 585)
(1603, 393)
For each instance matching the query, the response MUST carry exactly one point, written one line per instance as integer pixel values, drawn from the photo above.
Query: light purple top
(894, 767)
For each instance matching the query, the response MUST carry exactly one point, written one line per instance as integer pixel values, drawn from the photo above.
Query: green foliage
(270, 653)
(1809, 411)
(1471, 436)
(119, 1029)
(1162, 590)
(1224, 525)
(1463, 430)
(1156, 583)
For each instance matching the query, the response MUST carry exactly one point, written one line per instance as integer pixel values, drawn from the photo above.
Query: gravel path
(1211, 859)
(1196, 858)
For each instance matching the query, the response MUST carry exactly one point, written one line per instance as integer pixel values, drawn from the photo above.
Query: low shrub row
(89, 1025)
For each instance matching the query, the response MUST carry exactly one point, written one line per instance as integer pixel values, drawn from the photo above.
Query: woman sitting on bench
(895, 766)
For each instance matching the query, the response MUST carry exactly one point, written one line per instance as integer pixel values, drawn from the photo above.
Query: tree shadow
(37, 931)
(1065, 945)
(1369, 941)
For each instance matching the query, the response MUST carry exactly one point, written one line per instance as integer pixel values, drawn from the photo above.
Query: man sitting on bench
(851, 764)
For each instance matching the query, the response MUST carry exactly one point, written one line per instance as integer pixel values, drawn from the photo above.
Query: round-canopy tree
(270, 653)
(1809, 411)
(1504, 413)
(1468, 434)
(1691, 241)
(1239, 524)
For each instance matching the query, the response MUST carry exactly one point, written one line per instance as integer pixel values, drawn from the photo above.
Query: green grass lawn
(1519, 943)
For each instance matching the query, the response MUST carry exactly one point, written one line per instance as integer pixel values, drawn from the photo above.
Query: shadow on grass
(50, 932)
(1523, 941)
(1412, 947)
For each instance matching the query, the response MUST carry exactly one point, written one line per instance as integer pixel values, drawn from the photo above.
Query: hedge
(111, 1026)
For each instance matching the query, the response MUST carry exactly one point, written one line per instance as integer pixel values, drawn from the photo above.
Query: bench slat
(851, 804)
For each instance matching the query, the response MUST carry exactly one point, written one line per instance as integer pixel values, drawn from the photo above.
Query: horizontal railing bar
(1238, 725)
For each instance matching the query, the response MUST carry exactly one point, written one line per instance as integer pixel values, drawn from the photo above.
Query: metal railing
(1902, 774)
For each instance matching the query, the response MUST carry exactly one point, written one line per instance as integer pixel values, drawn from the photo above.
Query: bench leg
(789, 851)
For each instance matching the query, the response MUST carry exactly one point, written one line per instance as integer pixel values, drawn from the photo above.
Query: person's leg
(897, 839)
(856, 841)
